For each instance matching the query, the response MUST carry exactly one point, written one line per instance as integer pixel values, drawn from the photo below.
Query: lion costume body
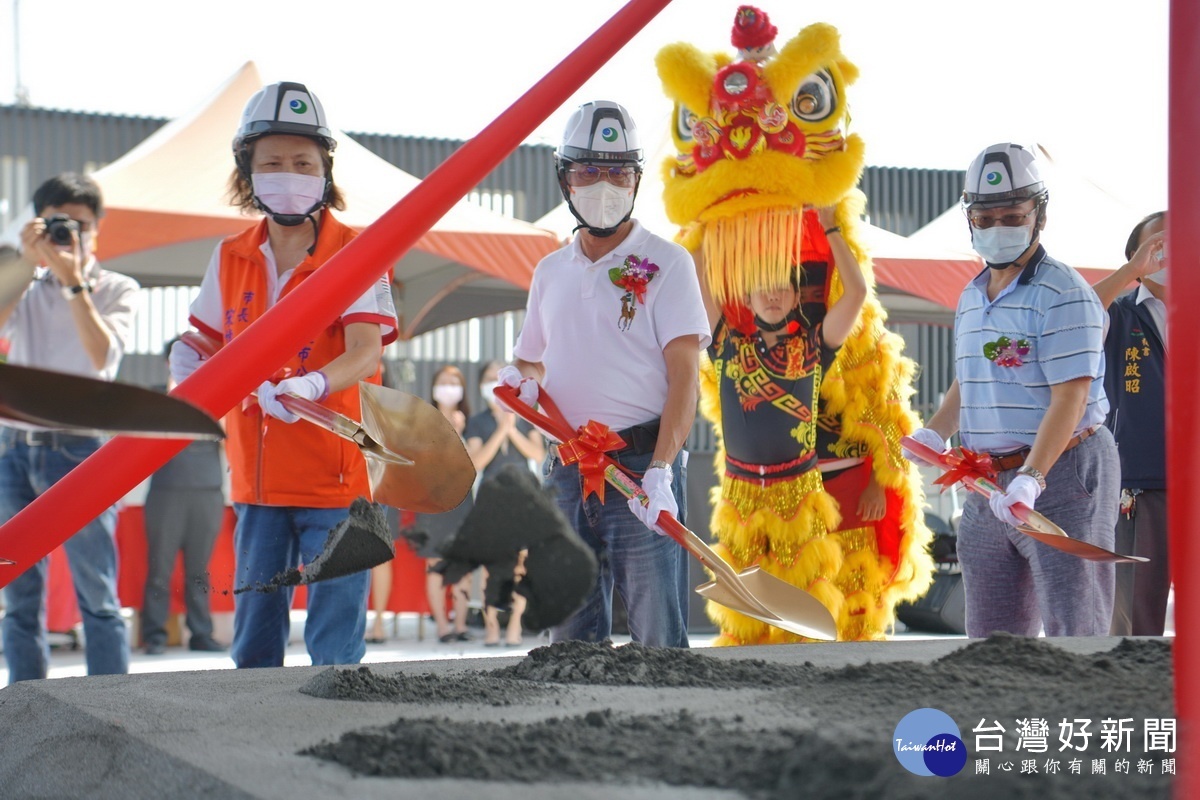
(761, 143)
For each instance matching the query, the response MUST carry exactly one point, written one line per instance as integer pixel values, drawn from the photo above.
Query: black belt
(639, 440)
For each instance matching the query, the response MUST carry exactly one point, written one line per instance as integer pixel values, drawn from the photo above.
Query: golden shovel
(415, 459)
(752, 591)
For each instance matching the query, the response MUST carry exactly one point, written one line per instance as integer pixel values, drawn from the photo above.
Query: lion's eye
(684, 121)
(816, 99)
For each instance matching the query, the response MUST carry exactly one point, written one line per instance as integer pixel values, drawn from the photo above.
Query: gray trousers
(1142, 589)
(187, 520)
(1014, 583)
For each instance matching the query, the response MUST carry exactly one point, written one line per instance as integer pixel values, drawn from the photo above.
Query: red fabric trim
(387, 323)
(211, 333)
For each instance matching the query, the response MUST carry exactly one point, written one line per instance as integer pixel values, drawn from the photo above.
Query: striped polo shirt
(1044, 328)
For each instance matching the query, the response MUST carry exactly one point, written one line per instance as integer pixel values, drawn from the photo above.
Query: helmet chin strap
(600, 233)
(292, 220)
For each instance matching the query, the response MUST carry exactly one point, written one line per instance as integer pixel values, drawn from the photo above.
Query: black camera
(59, 229)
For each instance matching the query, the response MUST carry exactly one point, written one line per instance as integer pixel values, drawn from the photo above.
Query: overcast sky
(940, 79)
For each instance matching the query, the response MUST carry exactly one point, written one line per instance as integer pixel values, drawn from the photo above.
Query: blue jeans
(26, 471)
(649, 571)
(269, 540)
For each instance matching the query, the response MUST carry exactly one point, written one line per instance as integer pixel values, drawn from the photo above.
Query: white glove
(1024, 489)
(182, 361)
(527, 388)
(310, 386)
(929, 438)
(656, 483)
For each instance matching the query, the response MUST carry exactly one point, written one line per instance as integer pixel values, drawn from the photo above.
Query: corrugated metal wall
(903, 200)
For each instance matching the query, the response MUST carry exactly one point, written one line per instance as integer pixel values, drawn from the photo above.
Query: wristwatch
(1034, 473)
(658, 463)
(71, 292)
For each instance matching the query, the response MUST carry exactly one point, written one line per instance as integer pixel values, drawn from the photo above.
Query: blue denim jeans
(26, 471)
(269, 540)
(649, 571)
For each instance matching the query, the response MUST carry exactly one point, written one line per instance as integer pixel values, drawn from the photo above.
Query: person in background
(291, 484)
(77, 318)
(613, 330)
(1029, 392)
(496, 437)
(185, 506)
(448, 393)
(1135, 349)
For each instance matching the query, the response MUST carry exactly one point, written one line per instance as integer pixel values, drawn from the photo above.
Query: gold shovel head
(441, 474)
(779, 604)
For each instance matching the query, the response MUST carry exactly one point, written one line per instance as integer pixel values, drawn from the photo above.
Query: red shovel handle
(300, 406)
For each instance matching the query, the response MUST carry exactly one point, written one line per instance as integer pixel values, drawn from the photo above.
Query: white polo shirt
(594, 369)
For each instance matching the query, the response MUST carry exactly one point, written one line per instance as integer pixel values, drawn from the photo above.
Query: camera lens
(59, 229)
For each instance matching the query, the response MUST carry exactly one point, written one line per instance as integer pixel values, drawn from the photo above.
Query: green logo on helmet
(994, 178)
(609, 134)
(298, 106)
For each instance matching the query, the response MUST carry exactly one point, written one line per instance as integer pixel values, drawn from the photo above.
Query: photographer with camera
(77, 318)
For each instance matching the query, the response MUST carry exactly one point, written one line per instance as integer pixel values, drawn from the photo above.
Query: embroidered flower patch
(1006, 353)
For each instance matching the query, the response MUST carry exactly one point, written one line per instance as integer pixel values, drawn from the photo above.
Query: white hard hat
(600, 132)
(284, 107)
(1003, 174)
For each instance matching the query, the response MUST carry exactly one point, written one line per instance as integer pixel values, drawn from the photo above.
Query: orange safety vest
(272, 462)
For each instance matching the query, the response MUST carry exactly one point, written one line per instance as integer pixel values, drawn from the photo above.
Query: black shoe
(155, 648)
(206, 644)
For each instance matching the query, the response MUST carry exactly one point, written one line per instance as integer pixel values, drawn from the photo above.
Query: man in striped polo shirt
(1029, 391)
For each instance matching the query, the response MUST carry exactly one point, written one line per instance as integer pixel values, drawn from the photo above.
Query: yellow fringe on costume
(743, 214)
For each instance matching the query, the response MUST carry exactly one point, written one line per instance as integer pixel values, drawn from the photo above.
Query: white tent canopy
(167, 209)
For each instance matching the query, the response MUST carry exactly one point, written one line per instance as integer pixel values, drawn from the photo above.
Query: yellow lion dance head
(759, 138)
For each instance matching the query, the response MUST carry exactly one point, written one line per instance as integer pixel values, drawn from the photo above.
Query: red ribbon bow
(586, 446)
(587, 449)
(965, 465)
(636, 285)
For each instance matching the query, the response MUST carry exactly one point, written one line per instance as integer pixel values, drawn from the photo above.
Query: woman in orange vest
(291, 484)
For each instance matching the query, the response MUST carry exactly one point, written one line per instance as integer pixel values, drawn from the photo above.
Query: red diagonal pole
(222, 381)
(1183, 380)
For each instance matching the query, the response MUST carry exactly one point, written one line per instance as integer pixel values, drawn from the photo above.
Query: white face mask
(602, 205)
(288, 192)
(448, 394)
(1159, 277)
(1000, 244)
(487, 389)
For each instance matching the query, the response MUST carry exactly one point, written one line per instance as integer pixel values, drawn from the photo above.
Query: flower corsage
(632, 276)
(1006, 353)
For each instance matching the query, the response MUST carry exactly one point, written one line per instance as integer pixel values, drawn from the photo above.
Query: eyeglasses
(587, 175)
(1007, 220)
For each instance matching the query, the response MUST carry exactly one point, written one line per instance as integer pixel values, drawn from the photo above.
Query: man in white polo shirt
(1029, 391)
(613, 331)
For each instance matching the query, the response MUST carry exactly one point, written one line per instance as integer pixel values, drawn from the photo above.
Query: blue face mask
(999, 246)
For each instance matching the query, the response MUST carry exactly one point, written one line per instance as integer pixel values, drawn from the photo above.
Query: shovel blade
(779, 604)
(42, 399)
(441, 473)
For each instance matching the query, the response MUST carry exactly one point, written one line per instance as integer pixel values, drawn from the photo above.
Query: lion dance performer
(760, 146)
